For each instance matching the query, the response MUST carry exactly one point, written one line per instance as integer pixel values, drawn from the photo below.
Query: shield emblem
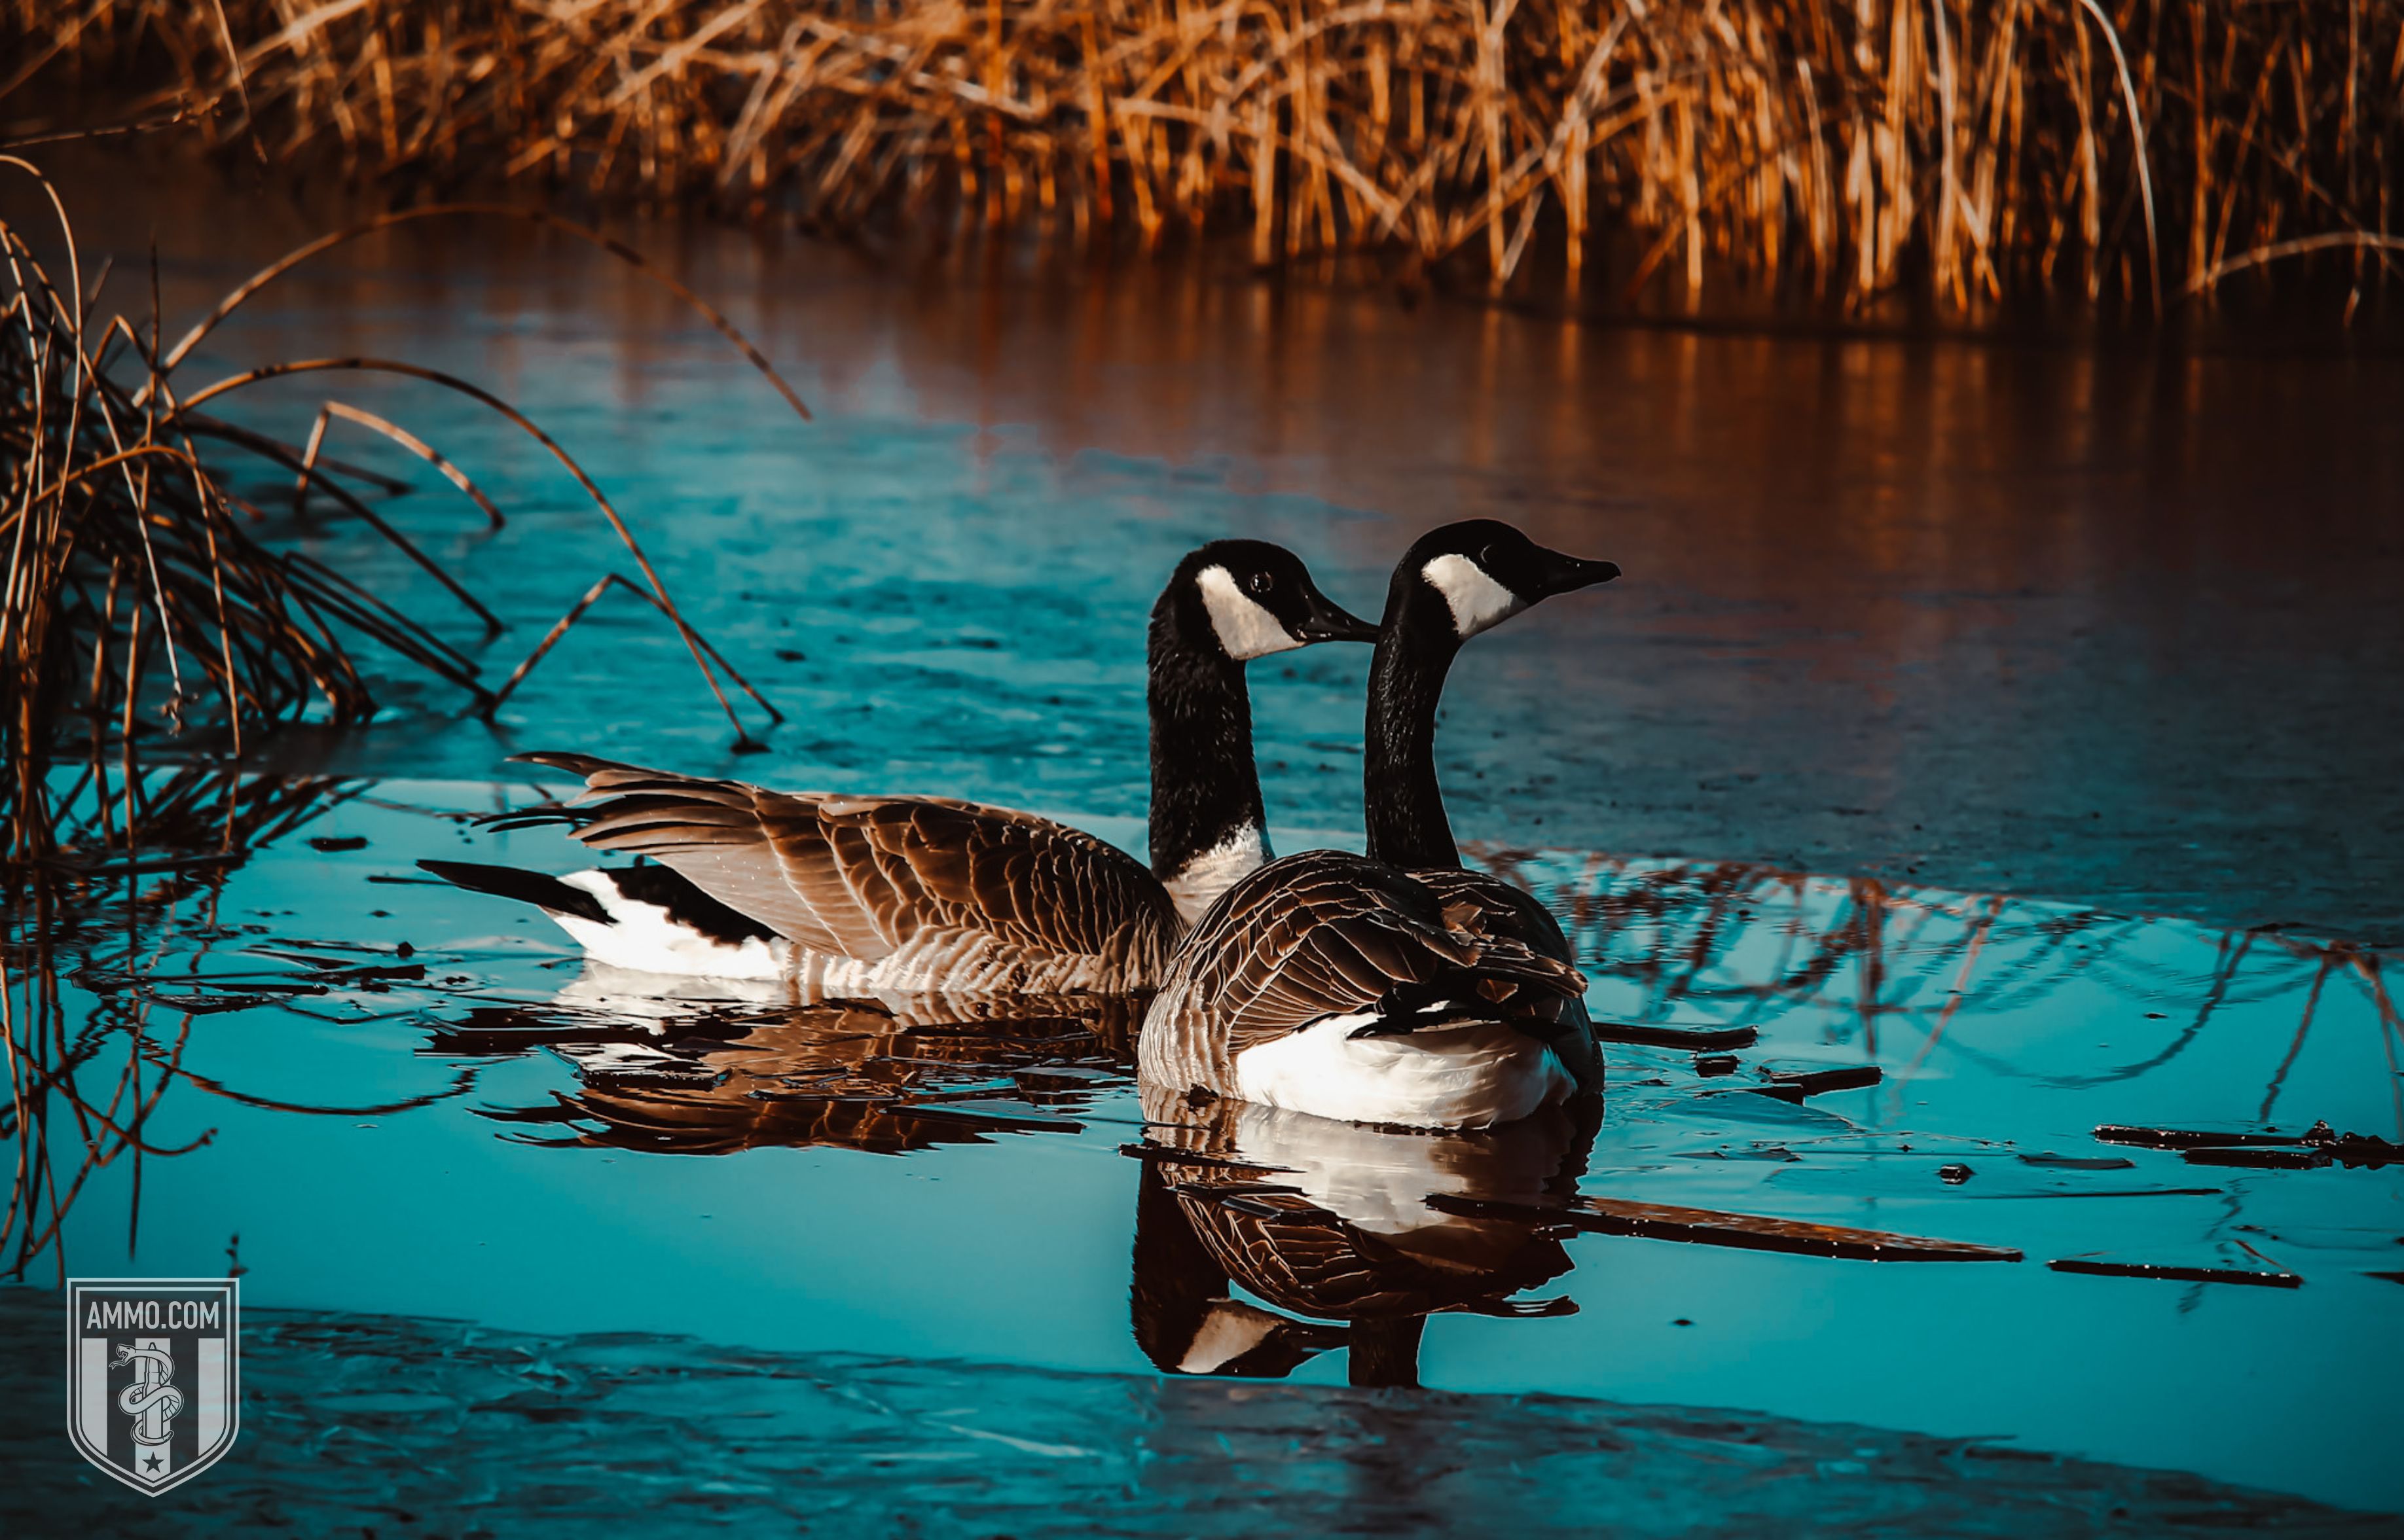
(154, 1393)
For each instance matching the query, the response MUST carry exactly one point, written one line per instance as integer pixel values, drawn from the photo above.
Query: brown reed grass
(139, 608)
(1970, 148)
(139, 613)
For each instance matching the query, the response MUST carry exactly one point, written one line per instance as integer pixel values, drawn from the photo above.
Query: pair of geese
(1395, 988)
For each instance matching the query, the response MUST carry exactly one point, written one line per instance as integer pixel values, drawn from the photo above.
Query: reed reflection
(101, 977)
(1911, 978)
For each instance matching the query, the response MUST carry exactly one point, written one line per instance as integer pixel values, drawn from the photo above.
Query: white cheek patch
(1245, 627)
(1478, 602)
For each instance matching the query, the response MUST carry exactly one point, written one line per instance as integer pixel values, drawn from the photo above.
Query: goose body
(647, 919)
(1470, 1074)
(653, 937)
(868, 894)
(1396, 988)
(883, 893)
(1339, 986)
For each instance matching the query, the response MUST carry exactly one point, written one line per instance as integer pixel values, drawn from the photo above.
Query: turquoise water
(2001, 614)
(429, 1147)
(2003, 637)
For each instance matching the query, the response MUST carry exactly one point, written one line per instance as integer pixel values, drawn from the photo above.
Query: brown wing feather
(1324, 934)
(861, 877)
(1496, 908)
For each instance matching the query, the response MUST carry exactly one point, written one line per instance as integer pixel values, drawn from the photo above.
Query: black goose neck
(1402, 803)
(1205, 790)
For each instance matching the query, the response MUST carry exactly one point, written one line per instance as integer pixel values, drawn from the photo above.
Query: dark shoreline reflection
(1329, 1222)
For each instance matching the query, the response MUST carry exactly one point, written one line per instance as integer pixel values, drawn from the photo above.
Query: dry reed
(143, 611)
(1971, 148)
(140, 608)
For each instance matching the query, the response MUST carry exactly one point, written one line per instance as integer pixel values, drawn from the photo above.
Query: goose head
(1248, 599)
(1471, 576)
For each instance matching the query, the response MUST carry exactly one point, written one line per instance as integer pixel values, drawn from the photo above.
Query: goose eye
(1261, 582)
(1487, 556)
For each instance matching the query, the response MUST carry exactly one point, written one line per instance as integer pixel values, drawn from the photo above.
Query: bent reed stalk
(1973, 149)
(140, 609)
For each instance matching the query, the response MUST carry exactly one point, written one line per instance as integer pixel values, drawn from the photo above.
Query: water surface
(515, 1140)
(2016, 720)
(2115, 623)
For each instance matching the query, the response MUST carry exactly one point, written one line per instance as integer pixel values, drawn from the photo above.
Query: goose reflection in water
(718, 1067)
(1327, 1222)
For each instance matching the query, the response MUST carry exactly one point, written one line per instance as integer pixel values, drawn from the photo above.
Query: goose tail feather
(527, 887)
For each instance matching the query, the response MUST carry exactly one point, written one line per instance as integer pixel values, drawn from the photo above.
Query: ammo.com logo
(154, 1391)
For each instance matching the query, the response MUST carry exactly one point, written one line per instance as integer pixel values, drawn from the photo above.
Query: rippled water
(1975, 620)
(380, 1422)
(514, 1140)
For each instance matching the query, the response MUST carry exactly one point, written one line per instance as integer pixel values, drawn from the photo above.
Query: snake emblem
(152, 1400)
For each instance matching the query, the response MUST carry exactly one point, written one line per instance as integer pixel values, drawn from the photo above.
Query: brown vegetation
(149, 630)
(1976, 148)
(143, 603)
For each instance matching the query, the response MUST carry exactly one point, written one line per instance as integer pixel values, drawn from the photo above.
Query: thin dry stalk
(138, 607)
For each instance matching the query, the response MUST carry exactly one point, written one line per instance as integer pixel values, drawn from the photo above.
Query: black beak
(1560, 574)
(1328, 621)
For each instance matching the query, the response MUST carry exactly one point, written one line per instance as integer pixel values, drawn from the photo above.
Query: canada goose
(1333, 1222)
(1395, 988)
(865, 893)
